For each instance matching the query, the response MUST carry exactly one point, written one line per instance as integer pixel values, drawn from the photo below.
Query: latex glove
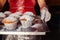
(45, 14)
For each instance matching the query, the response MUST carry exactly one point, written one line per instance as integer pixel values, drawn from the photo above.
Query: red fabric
(28, 5)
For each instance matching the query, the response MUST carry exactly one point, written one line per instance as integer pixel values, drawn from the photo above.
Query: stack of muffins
(18, 22)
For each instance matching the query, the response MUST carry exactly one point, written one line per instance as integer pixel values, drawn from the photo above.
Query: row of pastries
(21, 22)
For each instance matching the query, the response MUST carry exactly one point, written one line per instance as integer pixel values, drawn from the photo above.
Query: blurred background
(53, 24)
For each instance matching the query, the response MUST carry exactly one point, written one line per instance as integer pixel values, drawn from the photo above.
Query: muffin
(10, 23)
(14, 15)
(26, 20)
(18, 13)
(7, 13)
(2, 16)
(29, 13)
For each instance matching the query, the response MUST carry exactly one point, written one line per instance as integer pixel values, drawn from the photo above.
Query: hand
(45, 14)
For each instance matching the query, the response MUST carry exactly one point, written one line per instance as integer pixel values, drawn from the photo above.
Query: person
(28, 6)
(2, 2)
(4, 5)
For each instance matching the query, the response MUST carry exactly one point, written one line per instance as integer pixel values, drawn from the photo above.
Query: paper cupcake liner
(11, 26)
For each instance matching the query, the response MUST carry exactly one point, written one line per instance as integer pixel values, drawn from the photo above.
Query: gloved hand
(39, 26)
(45, 14)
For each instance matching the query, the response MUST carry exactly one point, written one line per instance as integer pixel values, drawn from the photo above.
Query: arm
(42, 3)
(2, 2)
(45, 15)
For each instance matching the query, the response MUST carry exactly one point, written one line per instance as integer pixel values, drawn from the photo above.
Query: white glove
(45, 15)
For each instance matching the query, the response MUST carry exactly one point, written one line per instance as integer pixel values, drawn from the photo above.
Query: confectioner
(29, 19)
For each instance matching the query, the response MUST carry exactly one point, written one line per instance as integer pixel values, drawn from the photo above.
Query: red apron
(22, 6)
